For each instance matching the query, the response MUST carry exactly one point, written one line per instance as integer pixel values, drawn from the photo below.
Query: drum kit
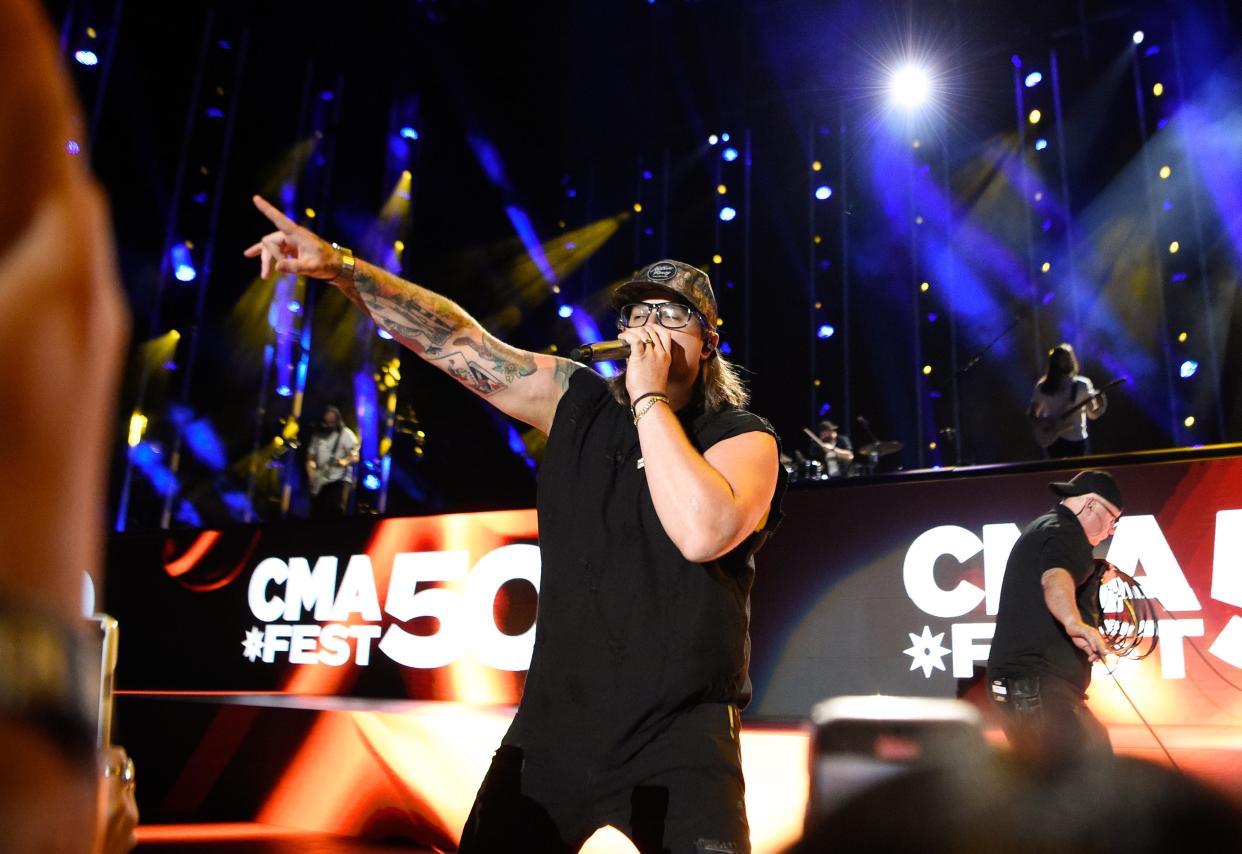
(866, 461)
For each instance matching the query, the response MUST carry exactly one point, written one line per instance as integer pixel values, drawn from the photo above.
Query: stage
(267, 726)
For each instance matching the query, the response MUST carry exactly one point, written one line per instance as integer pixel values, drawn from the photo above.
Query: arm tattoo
(564, 370)
(438, 330)
(512, 364)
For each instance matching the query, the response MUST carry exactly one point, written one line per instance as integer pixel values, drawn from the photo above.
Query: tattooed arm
(519, 383)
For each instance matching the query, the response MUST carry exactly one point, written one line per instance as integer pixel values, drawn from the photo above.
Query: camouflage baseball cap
(674, 278)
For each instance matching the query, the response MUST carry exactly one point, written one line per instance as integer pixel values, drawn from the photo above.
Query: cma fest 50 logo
(348, 622)
(1139, 541)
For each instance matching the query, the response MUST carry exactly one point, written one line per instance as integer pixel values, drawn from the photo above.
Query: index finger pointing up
(278, 219)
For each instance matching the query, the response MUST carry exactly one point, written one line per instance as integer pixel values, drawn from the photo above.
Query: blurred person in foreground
(1095, 804)
(62, 330)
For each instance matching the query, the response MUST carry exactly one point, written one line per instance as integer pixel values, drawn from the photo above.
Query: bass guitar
(1047, 428)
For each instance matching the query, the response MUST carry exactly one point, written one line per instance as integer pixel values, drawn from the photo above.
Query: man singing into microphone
(655, 492)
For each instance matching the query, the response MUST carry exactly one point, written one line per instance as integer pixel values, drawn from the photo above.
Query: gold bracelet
(347, 263)
(648, 402)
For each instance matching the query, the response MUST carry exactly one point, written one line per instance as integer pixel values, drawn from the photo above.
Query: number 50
(466, 616)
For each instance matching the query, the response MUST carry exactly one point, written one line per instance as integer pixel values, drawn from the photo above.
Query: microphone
(601, 351)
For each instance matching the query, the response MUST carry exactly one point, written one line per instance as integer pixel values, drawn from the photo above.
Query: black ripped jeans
(1046, 720)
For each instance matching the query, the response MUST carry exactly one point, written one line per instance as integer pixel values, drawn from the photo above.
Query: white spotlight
(1137, 38)
(910, 86)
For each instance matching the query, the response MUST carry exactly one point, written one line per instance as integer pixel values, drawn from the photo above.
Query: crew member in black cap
(1046, 636)
(655, 491)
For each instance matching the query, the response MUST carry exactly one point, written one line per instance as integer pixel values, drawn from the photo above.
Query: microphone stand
(970, 363)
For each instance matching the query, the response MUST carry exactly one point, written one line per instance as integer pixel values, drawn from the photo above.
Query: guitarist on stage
(330, 459)
(1062, 404)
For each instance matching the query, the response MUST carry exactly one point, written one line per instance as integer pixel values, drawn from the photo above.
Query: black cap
(1099, 482)
(674, 278)
(827, 425)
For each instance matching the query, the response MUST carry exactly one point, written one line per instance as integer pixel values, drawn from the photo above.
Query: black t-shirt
(1028, 639)
(629, 631)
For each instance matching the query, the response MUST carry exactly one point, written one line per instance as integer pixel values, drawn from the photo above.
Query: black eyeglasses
(670, 315)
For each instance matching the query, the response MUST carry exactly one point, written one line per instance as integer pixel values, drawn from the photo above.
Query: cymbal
(880, 449)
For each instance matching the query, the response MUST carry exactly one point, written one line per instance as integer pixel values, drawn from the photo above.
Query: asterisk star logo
(252, 646)
(926, 651)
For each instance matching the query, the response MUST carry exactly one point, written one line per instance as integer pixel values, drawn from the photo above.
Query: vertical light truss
(730, 167)
(1155, 171)
(90, 35)
(1205, 395)
(827, 246)
(303, 193)
(162, 400)
(386, 244)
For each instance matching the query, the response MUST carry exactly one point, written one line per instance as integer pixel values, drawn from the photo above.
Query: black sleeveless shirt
(629, 631)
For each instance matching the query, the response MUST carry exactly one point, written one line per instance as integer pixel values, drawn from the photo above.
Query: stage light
(638, 208)
(1174, 247)
(1039, 196)
(215, 113)
(818, 239)
(1158, 89)
(932, 317)
(713, 139)
(823, 191)
(646, 174)
(824, 409)
(383, 333)
(371, 481)
(910, 86)
(1033, 79)
(310, 213)
(1041, 144)
(729, 154)
(925, 287)
(721, 189)
(283, 390)
(408, 132)
(826, 331)
(1178, 277)
(1045, 267)
(1188, 368)
(717, 259)
(1190, 421)
(1181, 337)
(137, 426)
(916, 143)
(86, 57)
(1138, 37)
(927, 369)
(183, 264)
(90, 33)
(327, 95)
(727, 214)
(294, 306)
(571, 193)
(565, 311)
(1035, 116)
(398, 245)
(724, 137)
(725, 348)
(72, 146)
(816, 166)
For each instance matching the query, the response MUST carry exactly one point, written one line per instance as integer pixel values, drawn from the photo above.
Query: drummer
(833, 449)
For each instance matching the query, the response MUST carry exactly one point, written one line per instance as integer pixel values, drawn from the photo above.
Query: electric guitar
(1046, 429)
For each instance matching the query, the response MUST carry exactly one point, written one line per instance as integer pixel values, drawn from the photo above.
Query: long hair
(719, 384)
(1062, 363)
